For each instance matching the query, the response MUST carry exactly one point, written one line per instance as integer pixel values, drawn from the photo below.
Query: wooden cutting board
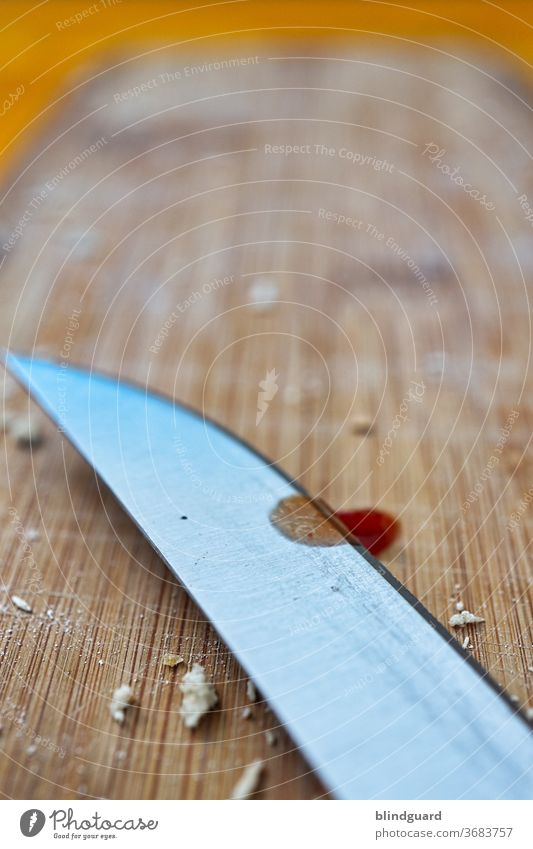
(169, 195)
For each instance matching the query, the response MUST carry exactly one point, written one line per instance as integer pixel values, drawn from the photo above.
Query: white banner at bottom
(267, 825)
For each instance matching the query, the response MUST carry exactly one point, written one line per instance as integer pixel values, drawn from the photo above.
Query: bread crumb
(271, 738)
(21, 604)
(27, 432)
(249, 781)
(251, 692)
(198, 696)
(466, 643)
(292, 394)
(172, 659)
(458, 620)
(262, 293)
(246, 713)
(529, 714)
(514, 698)
(32, 534)
(122, 698)
(362, 425)
(5, 420)
(459, 606)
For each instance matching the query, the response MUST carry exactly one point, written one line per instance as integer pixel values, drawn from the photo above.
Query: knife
(381, 699)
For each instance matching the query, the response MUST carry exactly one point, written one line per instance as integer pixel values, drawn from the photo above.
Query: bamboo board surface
(411, 321)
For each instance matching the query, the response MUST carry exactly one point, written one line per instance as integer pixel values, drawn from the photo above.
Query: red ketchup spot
(374, 529)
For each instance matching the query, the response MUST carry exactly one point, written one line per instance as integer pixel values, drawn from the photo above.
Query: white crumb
(271, 738)
(529, 714)
(249, 781)
(122, 698)
(21, 604)
(100, 662)
(466, 643)
(27, 431)
(459, 606)
(32, 534)
(458, 620)
(251, 692)
(172, 659)
(247, 713)
(199, 696)
(262, 292)
(514, 698)
(31, 749)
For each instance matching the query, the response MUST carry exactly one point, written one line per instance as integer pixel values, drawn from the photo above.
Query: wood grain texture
(115, 264)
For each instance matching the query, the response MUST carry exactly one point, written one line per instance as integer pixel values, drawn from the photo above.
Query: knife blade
(382, 701)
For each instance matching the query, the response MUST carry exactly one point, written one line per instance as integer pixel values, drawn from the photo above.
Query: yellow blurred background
(43, 42)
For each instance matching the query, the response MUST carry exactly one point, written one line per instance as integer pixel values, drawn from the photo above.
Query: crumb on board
(271, 738)
(251, 692)
(246, 713)
(199, 696)
(249, 781)
(5, 420)
(21, 604)
(529, 714)
(121, 699)
(459, 620)
(514, 698)
(172, 659)
(263, 292)
(466, 643)
(361, 425)
(32, 534)
(459, 606)
(26, 431)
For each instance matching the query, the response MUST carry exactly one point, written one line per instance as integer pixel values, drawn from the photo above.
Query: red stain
(373, 528)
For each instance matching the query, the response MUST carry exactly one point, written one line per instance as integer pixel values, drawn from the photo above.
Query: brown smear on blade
(300, 520)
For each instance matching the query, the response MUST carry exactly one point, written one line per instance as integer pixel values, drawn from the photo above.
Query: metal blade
(383, 703)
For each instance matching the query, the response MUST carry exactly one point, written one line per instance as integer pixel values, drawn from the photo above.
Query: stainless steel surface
(380, 703)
